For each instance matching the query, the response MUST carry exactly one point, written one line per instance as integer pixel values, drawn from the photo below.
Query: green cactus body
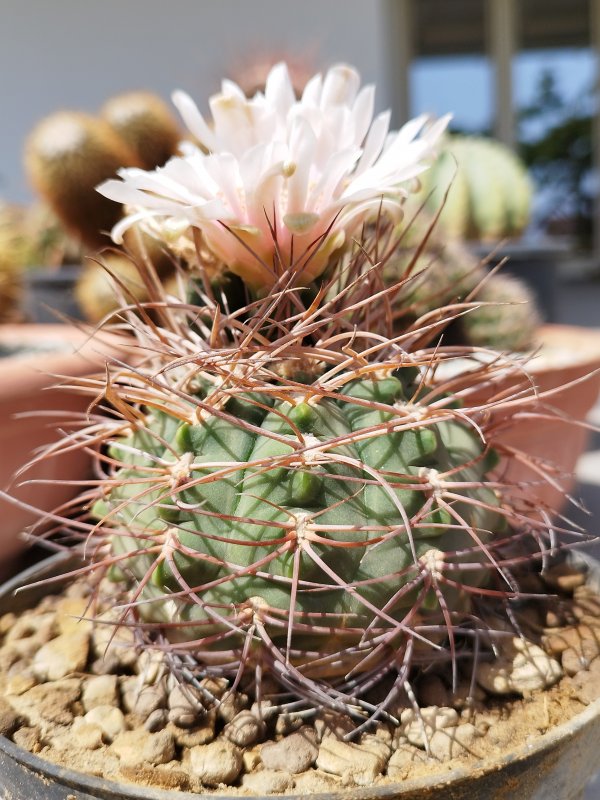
(479, 187)
(448, 190)
(315, 492)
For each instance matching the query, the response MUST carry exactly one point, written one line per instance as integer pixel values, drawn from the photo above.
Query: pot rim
(107, 789)
(83, 352)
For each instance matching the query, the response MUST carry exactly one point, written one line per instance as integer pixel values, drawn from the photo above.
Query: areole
(555, 765)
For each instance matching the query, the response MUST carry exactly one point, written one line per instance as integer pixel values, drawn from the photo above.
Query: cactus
(105, 285)
(66, 156)
(145, 124)
(286, 487)
(507, 319)
(13, 254)
(483, 186)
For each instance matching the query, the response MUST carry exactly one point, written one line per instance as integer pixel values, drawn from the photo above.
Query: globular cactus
(13, 254)
(299, 498)
(287, 487)
(145, 124)
(66, 156)
(439, 276)
(108, 283)
(507, 318)
(483, 187)
(304, 506)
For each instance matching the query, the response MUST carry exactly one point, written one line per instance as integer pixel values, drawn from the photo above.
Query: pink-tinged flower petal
(279, 173)
(362, 113)
(311, 96)
(231, 89)
(374, 142)
(340, 86)
(279, 92)
(193, 119)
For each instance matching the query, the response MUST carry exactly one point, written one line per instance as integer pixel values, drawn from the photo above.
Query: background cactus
(484, 186)
(13, 253)
(507, 318)
(145, 124)
(66, 156)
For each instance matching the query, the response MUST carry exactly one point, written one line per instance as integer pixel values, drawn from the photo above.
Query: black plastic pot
(555, 766)
(538, 267)
(50, 294)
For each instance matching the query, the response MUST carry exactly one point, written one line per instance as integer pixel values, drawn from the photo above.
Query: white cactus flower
(279, 182)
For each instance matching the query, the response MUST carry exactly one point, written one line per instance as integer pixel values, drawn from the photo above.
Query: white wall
(76, 53)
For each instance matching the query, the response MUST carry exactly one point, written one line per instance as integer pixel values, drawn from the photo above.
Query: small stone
(586, 684)
(296, 753)
(99, 690)
(141, 747)
(49, 702)
(244, 729)
(9, 718)
(231, 705)
(377, 745)
(114, 646)
(287, 723)
(214, 688)
(574, 659)
(28, 738)
(150, 666)
(7, 621)
(30, 631)
(110, 720)
(267, 781)
(19, 684)
(69, 615)
(160, 776)
(201, 734)
(82, 734)
(403, 758)
(420, 727)
(251, 759)
(332, 723)
(349, 761)
(66, 654)
(185, 709)
(315, 781)
(452, 742)
(524, 668)
(141, 699)
(216, 763)
(157, 720)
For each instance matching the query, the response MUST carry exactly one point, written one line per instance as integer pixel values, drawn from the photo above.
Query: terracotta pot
(26, 382)
(568, 353)
(554, 766)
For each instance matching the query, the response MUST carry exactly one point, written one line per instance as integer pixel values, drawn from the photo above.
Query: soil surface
(80, 695)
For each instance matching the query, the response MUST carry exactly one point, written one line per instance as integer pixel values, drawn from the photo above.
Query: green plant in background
(13, 251)
(505, 318)
(66, 156)
(146, 124)
(483, 187)
(285, 486)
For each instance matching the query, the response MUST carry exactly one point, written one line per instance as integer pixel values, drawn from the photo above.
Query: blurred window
(451, 70)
